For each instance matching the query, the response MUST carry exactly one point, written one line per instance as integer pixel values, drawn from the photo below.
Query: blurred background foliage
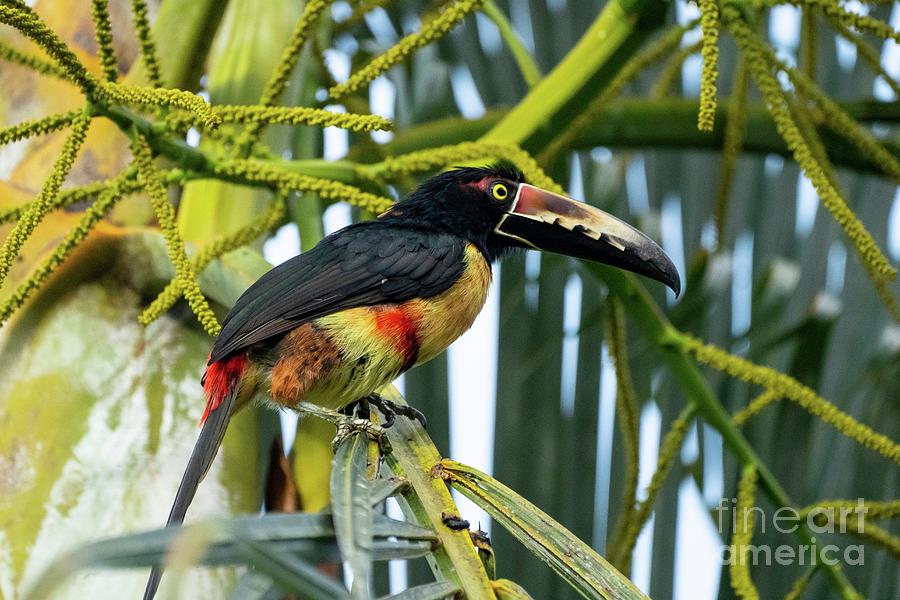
(98, 413)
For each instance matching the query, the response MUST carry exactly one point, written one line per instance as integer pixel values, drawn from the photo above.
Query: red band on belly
(401, 327)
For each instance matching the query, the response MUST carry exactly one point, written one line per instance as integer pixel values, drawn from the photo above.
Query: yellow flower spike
(75, 194)
(37, 127)
(28, 23)
(210, 252)
(668, 451)
(743, 536)
(144, 96)
(431, 30)
(93, 215)
(870, 509)
(709, 25)
(291, 54)
(788, 387)
(103, 35)
(838, 120)
(731, 148)
(833, 9)
(301, 115)
(49, 191)
(153, 184)
(312, 11)
(878, 537)
(34, 63)
(755, 407)
(761, 70)
(653, 52)
(434, 158)
(627, 412)
(811, 137)
(258, 171)
(148, 45)
(803, 119)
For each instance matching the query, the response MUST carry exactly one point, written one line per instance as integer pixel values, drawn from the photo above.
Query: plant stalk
(671, 343)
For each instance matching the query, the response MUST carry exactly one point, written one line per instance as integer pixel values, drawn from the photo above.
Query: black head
(465, 201)
(497, 210)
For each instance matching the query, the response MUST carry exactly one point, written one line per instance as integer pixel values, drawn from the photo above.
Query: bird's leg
(347, 425)
(390, 409)
(359, 408)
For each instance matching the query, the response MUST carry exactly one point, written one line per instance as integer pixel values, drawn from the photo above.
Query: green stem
(671, 343)
(197, 164)
(590, 65)
(414, 457)
(670, 123)
(527, 66)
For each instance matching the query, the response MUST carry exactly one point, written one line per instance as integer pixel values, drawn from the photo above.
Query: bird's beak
(547, 221)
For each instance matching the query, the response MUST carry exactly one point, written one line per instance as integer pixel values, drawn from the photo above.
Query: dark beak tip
(668, 274)
(676, 287)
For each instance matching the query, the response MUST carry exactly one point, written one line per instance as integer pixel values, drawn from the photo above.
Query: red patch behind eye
(401, 327)
(481, 184)
(219, 379)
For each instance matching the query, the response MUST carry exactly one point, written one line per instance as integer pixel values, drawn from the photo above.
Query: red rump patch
(401, 327)
(219, 379)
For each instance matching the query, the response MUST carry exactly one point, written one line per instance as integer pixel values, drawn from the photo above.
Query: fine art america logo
(819, 520)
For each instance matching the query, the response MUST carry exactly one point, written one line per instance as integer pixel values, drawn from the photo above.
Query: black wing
(361, 265)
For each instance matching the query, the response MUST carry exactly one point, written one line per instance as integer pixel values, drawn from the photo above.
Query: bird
(333, 325)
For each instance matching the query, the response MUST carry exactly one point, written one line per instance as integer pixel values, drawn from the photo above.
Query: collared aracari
(334, 324)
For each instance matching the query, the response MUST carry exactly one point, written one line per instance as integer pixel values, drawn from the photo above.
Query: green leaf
(291, 573)
(588, 572)
(351, 506)
(222, 542)
(387, 487)
(384, 550)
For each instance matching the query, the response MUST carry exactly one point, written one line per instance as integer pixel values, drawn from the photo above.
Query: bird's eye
(500, 192)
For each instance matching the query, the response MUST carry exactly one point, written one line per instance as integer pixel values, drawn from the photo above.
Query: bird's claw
(387, 408)
(348, 426)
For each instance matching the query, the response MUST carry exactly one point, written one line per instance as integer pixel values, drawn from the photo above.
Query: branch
(670, 123)
(531, 73)
(615, 36)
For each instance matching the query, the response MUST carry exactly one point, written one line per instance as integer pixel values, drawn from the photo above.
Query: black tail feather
(204, 452)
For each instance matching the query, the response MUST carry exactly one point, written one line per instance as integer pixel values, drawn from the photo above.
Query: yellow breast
(448, 315)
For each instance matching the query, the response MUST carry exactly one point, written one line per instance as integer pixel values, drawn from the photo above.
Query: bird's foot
(347, 425)
(387, 408)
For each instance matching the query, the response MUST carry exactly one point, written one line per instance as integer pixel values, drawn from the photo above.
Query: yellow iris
(499, 191)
